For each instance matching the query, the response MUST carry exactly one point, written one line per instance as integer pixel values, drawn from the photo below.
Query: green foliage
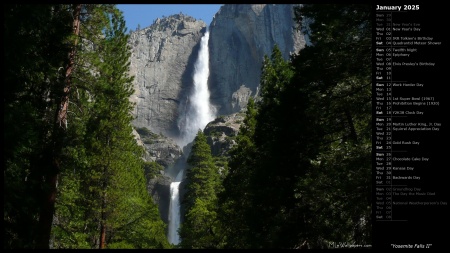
(272, 177)
(152, 169)
(35, 43)
(135, 218)
(221, 162)
(101, 179)
(110, 186)
(147, 136)
(202, 175)
(215, 133)
(234, 201)
(340, 85)
(302, 168)
(201, 228)
(145, 131)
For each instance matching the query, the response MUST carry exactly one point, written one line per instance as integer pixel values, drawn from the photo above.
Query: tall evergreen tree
(336, 72)
(58, 141)
(37, 42)
(235, 201)
(200, 228)
(114, 210)
(274, 179)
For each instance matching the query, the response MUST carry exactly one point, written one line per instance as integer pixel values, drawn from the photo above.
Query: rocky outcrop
(221, 133)
(240, 36)
(137, 137)
(159, 189)
(159, 148)
(240, 98)
(168, 154)
(164, 151)
(162, 61)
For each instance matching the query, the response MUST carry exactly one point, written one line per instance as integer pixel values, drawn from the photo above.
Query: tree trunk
(64, 105)
(51, 176)
(353, 134)
(47, 210)
(102, 244)
(102, 235)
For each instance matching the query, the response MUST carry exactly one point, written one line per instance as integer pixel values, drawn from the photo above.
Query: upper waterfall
(198, 111)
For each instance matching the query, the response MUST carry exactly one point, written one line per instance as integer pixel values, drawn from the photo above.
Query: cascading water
(199, 112)
(174, 209)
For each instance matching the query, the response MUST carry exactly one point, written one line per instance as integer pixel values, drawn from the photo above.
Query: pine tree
(202, 176)
(340, 178)
(273, 178)
(235, 200)
(200, 228)
(106, 193)
(36, 48)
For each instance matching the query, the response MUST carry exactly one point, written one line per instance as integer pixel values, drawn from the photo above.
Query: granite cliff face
(162, 62)
(240, 36)
(163, 57)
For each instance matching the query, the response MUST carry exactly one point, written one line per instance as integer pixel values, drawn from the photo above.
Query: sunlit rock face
(164, 55)
(241, 35)
(162, 62)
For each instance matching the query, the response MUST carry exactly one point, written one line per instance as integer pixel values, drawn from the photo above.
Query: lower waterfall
(174, 210)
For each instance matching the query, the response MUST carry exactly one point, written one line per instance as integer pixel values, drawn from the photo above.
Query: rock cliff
(221, 133)
(162, 62)
(169, 157)
(164, 54)
(240, 36)
(158, 148)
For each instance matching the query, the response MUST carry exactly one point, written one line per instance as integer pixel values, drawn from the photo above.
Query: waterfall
(198, 113)
(174, 210)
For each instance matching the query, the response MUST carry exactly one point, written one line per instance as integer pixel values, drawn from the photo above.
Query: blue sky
(145, 14)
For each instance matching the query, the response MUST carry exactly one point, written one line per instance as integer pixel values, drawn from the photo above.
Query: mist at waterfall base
(198, 113)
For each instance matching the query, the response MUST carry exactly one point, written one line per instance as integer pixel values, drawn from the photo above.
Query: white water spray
(199, 112)
(174, 210)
